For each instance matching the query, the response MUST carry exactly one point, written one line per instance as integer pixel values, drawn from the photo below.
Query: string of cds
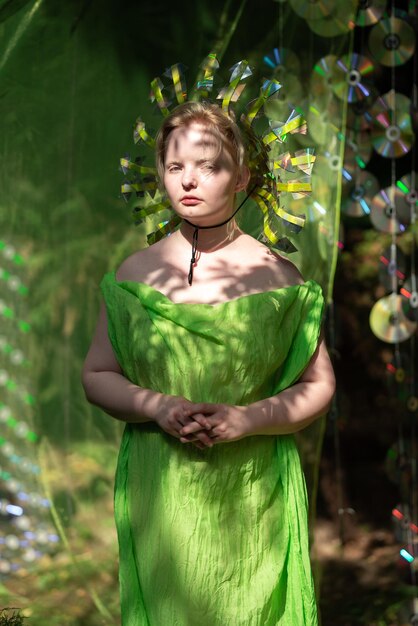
(358, 194)
(389, 122)
(381, 124)
(322, 109)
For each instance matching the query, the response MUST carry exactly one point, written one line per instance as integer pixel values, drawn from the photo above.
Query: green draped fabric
(214, 537)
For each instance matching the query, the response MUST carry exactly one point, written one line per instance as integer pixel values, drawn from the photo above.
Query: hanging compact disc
(396, 199)
(369, 12)
(357, 119)
(323, 121)
(328, 166)
(280, 61)
(388, 321)
(322, 75)
(358, 150)
(339, 21)
(392, 134)
(352, 77)
(414, 108)
(383, 213)
(409, 294)
(358, 194)
(407, 205)
(285, 100)
(314, 9)
(392, 41)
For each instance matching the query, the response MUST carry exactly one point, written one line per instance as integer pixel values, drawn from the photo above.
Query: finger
(200, 437)
(204, 438)
(174, 422)
(194, 427)
(218, 432)
(207, 408)
(201, 419)
(193, 439)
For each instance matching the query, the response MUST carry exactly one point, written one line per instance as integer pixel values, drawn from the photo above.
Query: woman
(209, 347)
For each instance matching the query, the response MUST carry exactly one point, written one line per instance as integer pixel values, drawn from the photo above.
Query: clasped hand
(202, 424)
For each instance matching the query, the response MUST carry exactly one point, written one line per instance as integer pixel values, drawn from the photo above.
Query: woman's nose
(189, 179)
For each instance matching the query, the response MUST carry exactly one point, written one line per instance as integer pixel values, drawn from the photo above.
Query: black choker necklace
(196, 235)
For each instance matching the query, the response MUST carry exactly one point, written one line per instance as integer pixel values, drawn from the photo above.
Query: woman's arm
(106, 386)
(297, 406)
(287, 412)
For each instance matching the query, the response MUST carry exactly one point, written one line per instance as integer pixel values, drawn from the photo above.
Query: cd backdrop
(380, 192)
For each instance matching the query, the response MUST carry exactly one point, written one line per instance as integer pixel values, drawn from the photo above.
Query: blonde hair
(223, 128)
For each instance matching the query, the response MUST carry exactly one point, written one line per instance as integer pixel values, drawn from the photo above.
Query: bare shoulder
(288, 270)
(127, 269)
(138, 265)
(279, 271)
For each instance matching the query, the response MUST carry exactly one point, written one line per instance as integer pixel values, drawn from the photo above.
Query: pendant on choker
(196, 236)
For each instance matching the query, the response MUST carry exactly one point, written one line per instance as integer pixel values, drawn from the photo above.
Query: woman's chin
(201, 218)
(193, 215)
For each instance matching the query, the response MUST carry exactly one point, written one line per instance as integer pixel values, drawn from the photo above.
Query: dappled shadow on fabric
(235, 499)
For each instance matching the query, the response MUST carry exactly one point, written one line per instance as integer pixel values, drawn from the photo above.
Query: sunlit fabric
(214, 537)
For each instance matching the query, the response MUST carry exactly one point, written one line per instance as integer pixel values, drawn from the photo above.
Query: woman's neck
(210, 239)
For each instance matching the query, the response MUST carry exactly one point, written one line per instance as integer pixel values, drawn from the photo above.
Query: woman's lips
(190, 200)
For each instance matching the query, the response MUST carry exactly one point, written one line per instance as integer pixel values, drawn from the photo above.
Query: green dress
(214, 537)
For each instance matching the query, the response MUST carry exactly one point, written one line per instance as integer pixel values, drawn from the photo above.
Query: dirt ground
(364, 582)
(362, 577)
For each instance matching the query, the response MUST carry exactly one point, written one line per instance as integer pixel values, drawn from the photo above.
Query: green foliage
(11, 617)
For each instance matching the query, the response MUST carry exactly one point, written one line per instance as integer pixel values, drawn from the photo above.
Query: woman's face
(200, 180)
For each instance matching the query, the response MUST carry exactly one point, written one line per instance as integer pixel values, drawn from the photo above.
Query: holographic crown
(273, 169)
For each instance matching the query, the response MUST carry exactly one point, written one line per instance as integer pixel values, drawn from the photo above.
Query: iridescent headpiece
(273, 169)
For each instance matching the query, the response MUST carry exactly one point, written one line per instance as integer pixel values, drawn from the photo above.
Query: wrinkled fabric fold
(214, 537)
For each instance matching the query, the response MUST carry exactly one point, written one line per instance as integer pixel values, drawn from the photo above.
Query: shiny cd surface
(369, 12)
(352, 77)
(407, 204)
(392, 268)
(414, 109)
(388, 321)
(409, 295)
(312, 9)
(328, 166)
(384, 215)
(281, 61)
(392, 41)
(392, 134)
(289, 95)
(322, 75)
(323, 120)
(358, 194)
(357, 153)
(357, 119)
(339, 21)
